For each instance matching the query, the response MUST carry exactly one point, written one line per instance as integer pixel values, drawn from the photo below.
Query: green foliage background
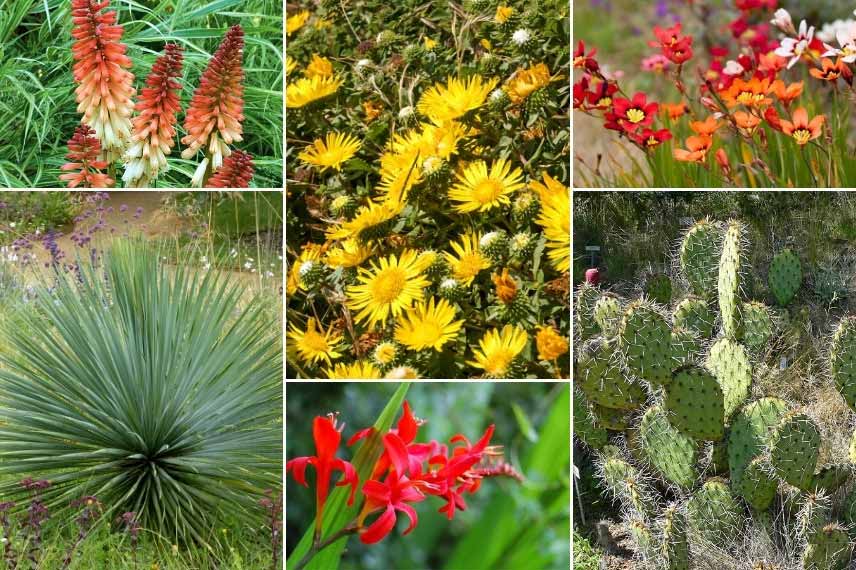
(38, 110)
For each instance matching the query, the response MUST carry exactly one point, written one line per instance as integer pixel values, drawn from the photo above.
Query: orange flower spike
(213, 120)
(697, 149)
(788, 93)
(154, 127)
(801, 129)
(236, 172)
(746, 122)
(83, 151)
(706, 127)
(104, 84)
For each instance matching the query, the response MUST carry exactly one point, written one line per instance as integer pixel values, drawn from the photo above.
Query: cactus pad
(699, 257)
(785, 276)
(607, 314)
(757, 485)
(714, 514)
(729, 363)
(750, 433)
(645, 340)
(587, 296)
(730, 264)
(686, 348)
(658, 288)
(827, 549)
(830, 478)
(675, 551)
(610, 418)
(756, 325)
(625, 483)
(693, 314)
(695, 404)
(670, 452)
(794, 449)
(586, 427)
(599, 376)
(842, 356)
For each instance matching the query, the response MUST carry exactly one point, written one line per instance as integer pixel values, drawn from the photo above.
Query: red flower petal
(380, 528)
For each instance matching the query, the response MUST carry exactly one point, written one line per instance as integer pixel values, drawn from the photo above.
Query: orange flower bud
(236, 172)
(506, 288)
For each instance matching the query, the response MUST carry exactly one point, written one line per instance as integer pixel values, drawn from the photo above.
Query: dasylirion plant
(711, 467)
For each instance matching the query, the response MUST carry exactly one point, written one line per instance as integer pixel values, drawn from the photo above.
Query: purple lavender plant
(91, 510)
(37, 514)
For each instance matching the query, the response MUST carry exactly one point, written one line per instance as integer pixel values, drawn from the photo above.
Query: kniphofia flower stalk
(83, 151)
(236, 172)
(213, 120)
(154, 128)
(105, 86)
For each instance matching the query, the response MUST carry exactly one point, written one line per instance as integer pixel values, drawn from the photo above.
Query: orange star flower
(706, 127)
(752, 93)
(698, 148)
(801, 129)
(788, 93)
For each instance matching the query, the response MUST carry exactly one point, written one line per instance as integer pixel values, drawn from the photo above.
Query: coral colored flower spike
(154, 127)
(213, 120)
(105, 86)
(236, 172)
(83, 151)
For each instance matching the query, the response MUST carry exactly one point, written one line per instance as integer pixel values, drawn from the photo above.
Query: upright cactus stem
(730, 267)
(785, 276)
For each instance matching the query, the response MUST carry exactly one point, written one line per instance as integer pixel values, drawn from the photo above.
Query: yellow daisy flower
(310, 252)
(555, 218)
(442, 103)
(290, 64)
(315, 345)
(503, 13)
(332, 152)
(354, 371)
(479, 190)
(526, 81)
(310, 89)
(498, 349)
(367, 218)
(296, 21)
(390, 287)
(429, 43)
(427, 326)
(469, 261)
(384, 353)
(318, 67)
(349, 253)
(550, 343)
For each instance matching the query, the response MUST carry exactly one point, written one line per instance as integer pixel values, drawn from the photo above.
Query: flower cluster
(428, 192)
(406, 472)
(752, 102)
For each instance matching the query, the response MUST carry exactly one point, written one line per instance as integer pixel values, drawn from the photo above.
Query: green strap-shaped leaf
(336, 512)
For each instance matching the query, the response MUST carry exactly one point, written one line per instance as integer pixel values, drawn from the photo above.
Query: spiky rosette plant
(154, 127)
(83, 151)
(156, 389)
(105, 87)
(213, 120)
(236, 172)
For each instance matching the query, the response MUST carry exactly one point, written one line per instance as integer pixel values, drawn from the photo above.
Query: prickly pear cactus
(830, 478)
(645, 340)
(785, 276)
(675, 549)
(756, 325)
(626, 484)
(644, 539)
(842, 360)
(693, 314)
(729, 363)
(751, 429)
(686, 348)
(658, 288)
(607, 314)
(585, 426)
(587, 296)
(670, 452)
(730, 264)
(695, 404)
(699, 257)
(713, 513)
(827, 549)
(600, 377)
(794, 449)
(610, 418)
(757, 484)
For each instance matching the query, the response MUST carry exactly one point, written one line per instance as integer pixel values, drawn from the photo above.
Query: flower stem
(319, 545)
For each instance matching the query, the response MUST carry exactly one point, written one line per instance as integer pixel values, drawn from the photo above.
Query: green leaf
(336, 512)
(524, 424)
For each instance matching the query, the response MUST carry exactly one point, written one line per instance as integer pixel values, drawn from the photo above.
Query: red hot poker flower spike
(105, 86)
(83, 151)
(154, 127)
(327, 439)
(213, 120)
(236, 172)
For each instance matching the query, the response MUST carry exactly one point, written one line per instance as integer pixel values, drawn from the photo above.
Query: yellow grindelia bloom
(332, 152)
(503, 13)
(550, 343)
(318, 67)
(315, 345)
(429, 43)
(290, 64)
(353, 371)
(427, 326)
(295, 22)
(469, 261)
(442, 103)
(390, 287)
(524, 82)
(309, 89)
(555, 218)
(349, 253)
(384, 353)
(498, 349)
(367, 217)
(479, 190)
(311, 252)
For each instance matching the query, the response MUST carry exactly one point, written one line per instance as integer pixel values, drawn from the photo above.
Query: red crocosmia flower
(327, 438)
(391, 495)
(635, 113)
(154, 127)
(213, 120)
(583, 61)
(236, 172)
(650, 138)
(104, 84)
(455, 476)
(83, 151)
